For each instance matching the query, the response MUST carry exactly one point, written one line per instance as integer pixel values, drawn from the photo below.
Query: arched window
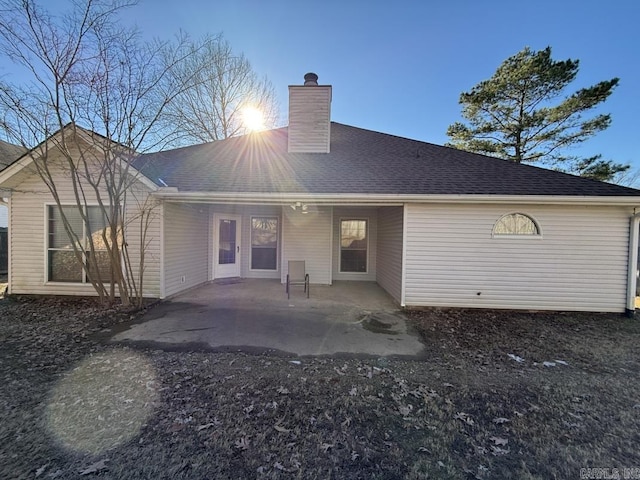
(516, 224)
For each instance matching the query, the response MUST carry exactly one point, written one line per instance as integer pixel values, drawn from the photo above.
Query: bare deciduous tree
(82, 68)
(226, 84)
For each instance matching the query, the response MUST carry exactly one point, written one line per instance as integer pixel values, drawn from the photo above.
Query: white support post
(632, 274)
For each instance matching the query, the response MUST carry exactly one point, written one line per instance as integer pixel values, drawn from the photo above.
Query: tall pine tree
(523, 114)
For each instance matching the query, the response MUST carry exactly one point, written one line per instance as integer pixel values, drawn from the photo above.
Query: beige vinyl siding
(356, 213)
(308, 237)
(309, 119)
(578, 263)
(29, 234)
(138, 201)
(28, 244)
(389, 254)
(186, 246)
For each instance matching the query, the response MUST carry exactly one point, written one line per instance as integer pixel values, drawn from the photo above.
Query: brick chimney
(310, 116)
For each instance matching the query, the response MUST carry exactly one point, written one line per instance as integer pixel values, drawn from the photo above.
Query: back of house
(433, 226)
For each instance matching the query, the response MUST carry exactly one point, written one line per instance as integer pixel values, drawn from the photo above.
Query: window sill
(519, 237)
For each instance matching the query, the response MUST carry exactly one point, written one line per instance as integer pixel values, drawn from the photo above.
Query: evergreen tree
(522, 114)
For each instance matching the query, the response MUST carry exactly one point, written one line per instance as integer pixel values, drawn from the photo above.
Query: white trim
(18, 165)
(9, 232)
(210, 246)
(282, 250)
(331, 249)
(251, 217)
(257, 198)
(46, 245)
(146, 181)
(517, 235)
(634, 222)
(45, 230)
(29, 157)
(163, 287)
(346, 219)
(403, 275)
(238, 263)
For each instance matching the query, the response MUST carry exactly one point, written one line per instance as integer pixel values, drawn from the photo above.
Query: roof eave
(171, 194)
(25, 160)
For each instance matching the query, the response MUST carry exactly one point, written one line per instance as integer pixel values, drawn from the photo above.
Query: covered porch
(205, 242)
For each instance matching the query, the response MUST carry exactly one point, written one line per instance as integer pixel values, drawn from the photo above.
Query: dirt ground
(500, 395)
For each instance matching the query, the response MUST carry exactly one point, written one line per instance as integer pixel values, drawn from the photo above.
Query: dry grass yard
(499, 395)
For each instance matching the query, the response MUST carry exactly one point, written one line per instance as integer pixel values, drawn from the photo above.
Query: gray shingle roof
(9, 153)
(360, 161)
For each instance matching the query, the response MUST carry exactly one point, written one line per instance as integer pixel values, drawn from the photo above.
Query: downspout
(632, 273)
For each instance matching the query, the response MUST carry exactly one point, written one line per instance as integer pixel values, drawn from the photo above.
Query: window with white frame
(516, 224)
(264, 243)
(354, 243)
(62, 263)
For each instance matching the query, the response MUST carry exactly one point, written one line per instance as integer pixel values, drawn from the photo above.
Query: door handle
(238, 248)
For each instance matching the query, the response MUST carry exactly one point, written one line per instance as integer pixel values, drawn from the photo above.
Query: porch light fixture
(302, 206)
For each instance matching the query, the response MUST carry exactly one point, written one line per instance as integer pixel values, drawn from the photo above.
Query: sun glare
(253, 119)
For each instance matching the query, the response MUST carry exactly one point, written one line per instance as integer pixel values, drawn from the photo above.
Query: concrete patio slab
(356, 318)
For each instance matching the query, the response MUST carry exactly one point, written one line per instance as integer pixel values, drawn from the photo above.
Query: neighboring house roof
(360, 162)
(9, 153)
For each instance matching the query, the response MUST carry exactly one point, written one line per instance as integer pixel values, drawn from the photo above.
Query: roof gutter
(172, 194)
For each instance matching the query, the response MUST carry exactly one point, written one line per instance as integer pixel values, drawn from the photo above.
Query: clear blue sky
(399, 66)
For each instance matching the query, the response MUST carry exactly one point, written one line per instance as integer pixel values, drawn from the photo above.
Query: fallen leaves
(204, 427)
(325, 447)
(499, 441)
(405, 410)
(241, 443)
(95, 467)
(554, 363)
(464, 417)
(496, 451)
(281, 429)
(41, 470)
(500, 420)
(455, 414)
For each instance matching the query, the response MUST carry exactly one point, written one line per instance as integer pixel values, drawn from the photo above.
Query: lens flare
(103, 402)
(253, 119)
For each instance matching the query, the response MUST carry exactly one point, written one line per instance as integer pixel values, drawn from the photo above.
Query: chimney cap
(311, 79)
